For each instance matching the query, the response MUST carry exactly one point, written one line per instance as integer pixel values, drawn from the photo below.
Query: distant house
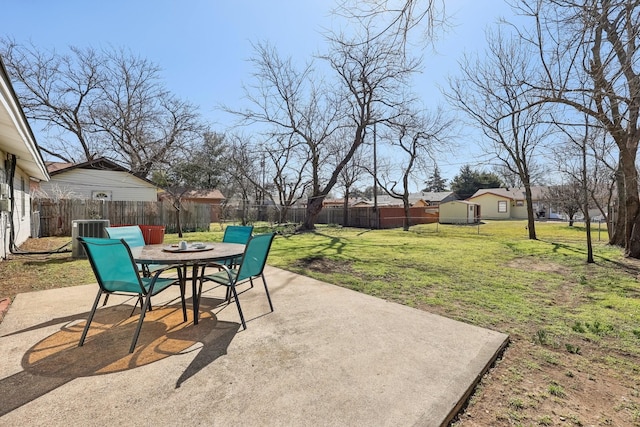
(510, 203)
(459, 212)
(421, 198)
(433, 198)
(99, 179)
(339, 203)
(22, 164)
(209, 197)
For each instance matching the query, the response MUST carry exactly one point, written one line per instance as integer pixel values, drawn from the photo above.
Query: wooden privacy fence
(56, 216)
(362, 217)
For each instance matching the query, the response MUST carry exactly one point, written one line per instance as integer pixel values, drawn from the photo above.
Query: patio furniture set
(124, 265)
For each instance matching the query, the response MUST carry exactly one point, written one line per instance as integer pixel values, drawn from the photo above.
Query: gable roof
(427, 196)
(433, 196)
(463, 202)
(204, 194)
(16, 136)
(99, 164)
(102, 163)
(518, 193)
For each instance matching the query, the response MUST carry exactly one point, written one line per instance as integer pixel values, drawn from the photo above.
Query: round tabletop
(156, 254)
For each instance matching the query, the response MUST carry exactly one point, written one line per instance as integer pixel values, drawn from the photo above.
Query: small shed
(459, 212)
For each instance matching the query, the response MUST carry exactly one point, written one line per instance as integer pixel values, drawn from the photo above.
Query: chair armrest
(159, 271)
(219, 266)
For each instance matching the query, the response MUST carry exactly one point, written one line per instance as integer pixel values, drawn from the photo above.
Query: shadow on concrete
(57, 359)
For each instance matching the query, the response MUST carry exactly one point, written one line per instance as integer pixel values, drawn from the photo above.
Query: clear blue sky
(202, 46)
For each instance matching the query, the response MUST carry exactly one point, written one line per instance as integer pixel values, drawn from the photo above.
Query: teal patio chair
(132, 234)
(116, 273)
(236, 234)
(252, 266)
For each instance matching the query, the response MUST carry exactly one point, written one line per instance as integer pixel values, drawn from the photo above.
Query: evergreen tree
(468, 181)
(436, 183)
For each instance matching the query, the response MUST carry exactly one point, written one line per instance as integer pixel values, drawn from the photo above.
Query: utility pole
(262, 190)
(375, 178)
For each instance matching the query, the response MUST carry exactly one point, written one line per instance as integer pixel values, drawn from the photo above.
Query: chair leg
(267, 291)
(183, 285)
(140, 300)
(147, 303)
(235, 296)
(106, 298)
(90, 318)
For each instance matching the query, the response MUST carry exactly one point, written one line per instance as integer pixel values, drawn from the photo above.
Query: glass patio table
(194, 257)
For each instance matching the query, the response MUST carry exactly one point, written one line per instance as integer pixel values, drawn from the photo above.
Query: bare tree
(604, 175)
(566, 197)
(298, 104)
(294, 106)
(290, 180)
(577, 168)
(350, 175)
(414, 138)
(589, 50)
(112, 102)
(374, 74)
(492, 94)
(396, 17)
(282, 175)
(243, 172)
(139, 122)
(58, 91)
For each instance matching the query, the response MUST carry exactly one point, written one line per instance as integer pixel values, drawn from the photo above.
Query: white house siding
(4, 216)
(457, 213)
(21, 211)
(489, 206)
(519, 209)
(22, 207)
(84, 183)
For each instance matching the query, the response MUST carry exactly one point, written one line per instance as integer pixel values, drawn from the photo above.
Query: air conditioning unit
(5, 205)
(86, 228)
(5, 191)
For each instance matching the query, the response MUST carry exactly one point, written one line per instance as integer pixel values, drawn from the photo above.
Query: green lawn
(490, 275)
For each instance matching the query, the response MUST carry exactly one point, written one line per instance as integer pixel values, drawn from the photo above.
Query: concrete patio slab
(326, 356)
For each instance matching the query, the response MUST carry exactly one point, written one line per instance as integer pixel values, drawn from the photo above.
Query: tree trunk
(282, 214)
(245, 204)
(178, 224)
(632, 205)
(585, 205)
(314, 206)
(618, 217)
(531, 222)
(345, 209)
(407, 214)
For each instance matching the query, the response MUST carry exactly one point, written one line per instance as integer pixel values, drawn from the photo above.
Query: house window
(101, 195)
(502, 206)
(519, 202)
